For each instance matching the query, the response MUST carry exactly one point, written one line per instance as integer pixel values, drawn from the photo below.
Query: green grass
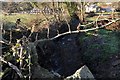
(25, 18)
(100, 47)
(111, 41)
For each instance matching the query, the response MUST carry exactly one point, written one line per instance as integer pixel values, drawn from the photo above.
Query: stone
(82, 73)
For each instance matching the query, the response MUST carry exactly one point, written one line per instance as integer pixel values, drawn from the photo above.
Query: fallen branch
(4, 41)
(74, 32)
(12, 66)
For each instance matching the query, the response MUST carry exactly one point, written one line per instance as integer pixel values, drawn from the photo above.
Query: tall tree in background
(11, 7)
(72, 7)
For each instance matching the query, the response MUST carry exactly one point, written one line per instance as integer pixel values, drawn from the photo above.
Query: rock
(69, 54)
(37, 71)
(40, 73)
(58, 55)
(82, 73)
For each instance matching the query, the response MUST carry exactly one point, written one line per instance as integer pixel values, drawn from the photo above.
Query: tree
(11, 7)
(72, 7)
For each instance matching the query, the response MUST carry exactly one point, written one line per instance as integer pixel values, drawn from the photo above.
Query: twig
(12, 66)
(48, 32)
(53, 7)
(97, 20)
(29, 66)
(32, 51)
(32, 30)
(10, 36)
(4, 41)
(36, 38)
(21, 57)
(66, 20)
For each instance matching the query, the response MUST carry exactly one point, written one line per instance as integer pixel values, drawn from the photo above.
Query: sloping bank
(99, 50)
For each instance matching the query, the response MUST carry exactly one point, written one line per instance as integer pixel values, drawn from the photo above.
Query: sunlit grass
(24, 17)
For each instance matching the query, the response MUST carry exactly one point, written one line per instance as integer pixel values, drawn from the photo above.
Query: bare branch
(36, 38)
(12, 66)
(74, 32)
(21, 57)
(4, 41)
(66, 19)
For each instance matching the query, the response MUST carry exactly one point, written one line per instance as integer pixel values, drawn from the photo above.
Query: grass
(25, 18)
(100, 47)
(111, 41)
(105, 17)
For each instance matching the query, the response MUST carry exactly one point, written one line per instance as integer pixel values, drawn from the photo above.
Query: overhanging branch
(74, 32)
